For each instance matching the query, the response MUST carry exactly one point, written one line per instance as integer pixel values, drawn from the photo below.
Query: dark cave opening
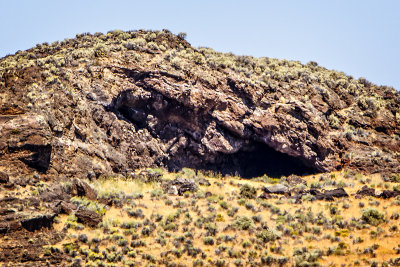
(259, 159)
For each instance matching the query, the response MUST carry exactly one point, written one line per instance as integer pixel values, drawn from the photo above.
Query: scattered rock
(276, 189)
(4, 178)
(6, 211)
(63, 207)
(329, 195)
(389, 194)
(37, 222)
(82, 189)
(181, 184)
(265, 195)
(338, 192)
(366, 191)
(88, 217)
(320, 196)
(55, 193)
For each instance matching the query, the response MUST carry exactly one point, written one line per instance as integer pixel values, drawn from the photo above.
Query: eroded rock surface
(120, 110)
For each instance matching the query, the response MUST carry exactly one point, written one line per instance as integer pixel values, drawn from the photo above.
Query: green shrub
(182, 35)
(134, 44)
(373, 216)
(243, 223)
(223, 204)
(267, 236)
(131, 225)
(211, 229)
(156, 193)
(100, 50)
(248, 191)
(246, 244)
(89, 205)
(208, 240)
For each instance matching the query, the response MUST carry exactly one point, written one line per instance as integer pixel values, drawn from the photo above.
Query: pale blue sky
(361, 38)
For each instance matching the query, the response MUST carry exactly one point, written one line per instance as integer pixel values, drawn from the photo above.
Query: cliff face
(102, 104)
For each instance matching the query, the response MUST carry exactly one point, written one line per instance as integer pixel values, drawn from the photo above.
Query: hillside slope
(111, 103)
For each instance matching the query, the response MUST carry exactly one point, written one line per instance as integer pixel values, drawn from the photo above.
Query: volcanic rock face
(118, 110)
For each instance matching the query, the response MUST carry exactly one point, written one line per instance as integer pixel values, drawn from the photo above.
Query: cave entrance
(258, 159)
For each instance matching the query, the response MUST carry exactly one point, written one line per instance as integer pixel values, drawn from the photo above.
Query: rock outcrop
(179, 186)
(276, 189)
(88, 217)
(80, 109)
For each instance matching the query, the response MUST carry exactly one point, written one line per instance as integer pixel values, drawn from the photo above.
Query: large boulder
(37, 222)
(82, 189)
(328, 195)
(389, 194)
(319, 195)
(365, 191)
(88, 217)
(276, 189)
(64, 207)
(180, 185)
(338, 192)
(55, 192)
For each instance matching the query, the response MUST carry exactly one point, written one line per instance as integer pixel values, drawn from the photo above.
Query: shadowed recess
(258, 159)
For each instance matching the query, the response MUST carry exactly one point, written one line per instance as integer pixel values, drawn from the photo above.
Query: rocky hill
(111, 103)
(110, 106)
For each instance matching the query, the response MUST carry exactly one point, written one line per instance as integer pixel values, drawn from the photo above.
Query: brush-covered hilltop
(129, 148)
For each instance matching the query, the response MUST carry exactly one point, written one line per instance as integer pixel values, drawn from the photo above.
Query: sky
(360, 38)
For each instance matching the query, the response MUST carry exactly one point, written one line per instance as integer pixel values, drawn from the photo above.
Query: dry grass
(295, 234)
